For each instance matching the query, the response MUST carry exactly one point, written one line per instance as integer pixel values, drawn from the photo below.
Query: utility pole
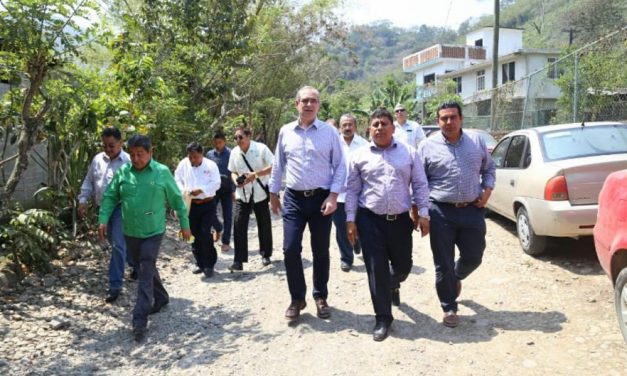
(495, 64)
(571, 35)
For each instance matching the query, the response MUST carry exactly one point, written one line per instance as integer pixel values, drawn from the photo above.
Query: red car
(610, 240)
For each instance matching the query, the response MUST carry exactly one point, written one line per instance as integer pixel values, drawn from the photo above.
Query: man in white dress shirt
(250, 164)
(199, 177)
(351, 141)
(407, 131)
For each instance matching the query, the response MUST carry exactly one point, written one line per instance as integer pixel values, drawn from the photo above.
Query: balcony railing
(443, 51)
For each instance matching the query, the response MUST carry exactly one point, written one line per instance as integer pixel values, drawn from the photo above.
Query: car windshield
(585, 141)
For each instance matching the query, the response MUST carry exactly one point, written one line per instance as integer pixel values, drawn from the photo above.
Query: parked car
(548, 178)
(610, 240)
(490, 142)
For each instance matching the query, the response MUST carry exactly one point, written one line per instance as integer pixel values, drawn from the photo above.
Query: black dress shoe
(236, 266)
(208, 272)
(346, 267)
(322, 309)
(381, 331)
(197, 271)
(265, 261)
(134, 274)
(396, 297)
(157, 307)
(139, 334)
(112, 296)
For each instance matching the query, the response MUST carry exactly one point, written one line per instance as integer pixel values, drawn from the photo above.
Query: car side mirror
(527, 161)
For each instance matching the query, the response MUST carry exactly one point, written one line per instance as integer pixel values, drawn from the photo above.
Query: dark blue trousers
(150, 290)
(201, 216)
(346, 249)
(387, 247)
(225, 199)
(450, 227)
(298, 211)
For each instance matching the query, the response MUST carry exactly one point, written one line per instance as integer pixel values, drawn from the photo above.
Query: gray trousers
(150, 290)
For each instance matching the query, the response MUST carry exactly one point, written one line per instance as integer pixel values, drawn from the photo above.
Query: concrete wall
(34, 177)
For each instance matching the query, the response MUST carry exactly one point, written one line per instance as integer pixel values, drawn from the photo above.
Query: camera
(241, 179)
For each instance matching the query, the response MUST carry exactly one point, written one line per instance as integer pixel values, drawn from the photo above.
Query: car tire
(531, 243)
(620, 301)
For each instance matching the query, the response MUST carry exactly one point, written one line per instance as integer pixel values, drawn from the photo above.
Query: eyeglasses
(238, 137)
(397, 111)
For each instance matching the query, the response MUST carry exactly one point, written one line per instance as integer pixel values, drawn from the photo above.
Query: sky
(407, 13)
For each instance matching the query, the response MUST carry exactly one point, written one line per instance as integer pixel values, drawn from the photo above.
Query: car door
(510, 173)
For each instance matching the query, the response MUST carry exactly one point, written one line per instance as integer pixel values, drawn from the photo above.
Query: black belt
(199, 201)
(387, 217)
(307, 193)
(456, 204)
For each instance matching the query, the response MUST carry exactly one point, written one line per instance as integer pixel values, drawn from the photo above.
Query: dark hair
(194, 146)
(139, 141)
(219, 135)
(244, 130)
(112, 132)
(449, 104)
(381, 113)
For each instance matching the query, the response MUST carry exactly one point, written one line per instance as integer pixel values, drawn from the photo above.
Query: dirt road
(519, 315)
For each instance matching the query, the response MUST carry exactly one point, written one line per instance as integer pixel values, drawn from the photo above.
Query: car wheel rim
(523, 230)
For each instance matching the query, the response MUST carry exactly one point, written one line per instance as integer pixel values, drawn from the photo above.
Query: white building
(470, 66)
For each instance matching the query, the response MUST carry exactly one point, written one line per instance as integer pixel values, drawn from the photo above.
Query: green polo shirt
(143, 195)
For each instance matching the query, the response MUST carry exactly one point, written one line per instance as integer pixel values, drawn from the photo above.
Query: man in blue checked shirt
(310, 155)
(386, 199)
(461, 177)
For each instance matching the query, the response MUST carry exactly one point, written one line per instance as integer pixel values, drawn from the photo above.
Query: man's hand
(423, 225)
(250, 178)
(483, 200)
(329, 205)
(351, 232)
(102, 232)
(413, 214)
(82, 209)
(186, 234)
(275, 203)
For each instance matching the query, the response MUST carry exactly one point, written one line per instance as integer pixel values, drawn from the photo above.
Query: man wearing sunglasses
(407, 131)
(250, 165)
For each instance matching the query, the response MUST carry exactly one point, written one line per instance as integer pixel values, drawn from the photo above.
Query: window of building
(509, 72)
(428, 79)
(458, 80)
(552, 71)
(481, 80)
(479, 43)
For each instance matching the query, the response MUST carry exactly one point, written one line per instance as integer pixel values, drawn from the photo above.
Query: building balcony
(442, 51)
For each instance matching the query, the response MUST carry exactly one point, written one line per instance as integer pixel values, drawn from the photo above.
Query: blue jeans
(346, 249)
(224, 198)
(150, 290)
(298, 211)
(387, 247)
(115, 235)
(450, 227)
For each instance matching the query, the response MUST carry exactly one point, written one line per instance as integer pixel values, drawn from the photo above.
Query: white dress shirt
(259, 157)
(205, 177)
(355, 144)
(410, 133)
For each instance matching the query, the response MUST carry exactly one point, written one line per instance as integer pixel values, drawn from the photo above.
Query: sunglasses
(238, 137)
(397, 111)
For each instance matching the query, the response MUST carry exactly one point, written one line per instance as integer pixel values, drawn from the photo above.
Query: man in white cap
(407, 131)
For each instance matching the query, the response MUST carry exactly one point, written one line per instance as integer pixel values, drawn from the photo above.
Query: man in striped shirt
(310, 155)
(461, 177)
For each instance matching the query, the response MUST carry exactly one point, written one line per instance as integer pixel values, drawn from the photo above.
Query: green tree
(38, 39)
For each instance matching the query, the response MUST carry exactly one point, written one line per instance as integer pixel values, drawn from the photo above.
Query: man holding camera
(250, 164)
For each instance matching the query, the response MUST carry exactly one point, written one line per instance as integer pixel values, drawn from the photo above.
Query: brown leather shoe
(324, 312)
(293, 311)
(450, 319)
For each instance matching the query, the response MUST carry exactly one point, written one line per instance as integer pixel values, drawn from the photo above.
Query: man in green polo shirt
(142, 187)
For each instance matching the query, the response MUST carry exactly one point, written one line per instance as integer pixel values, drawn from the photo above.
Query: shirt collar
(374, 146)
(315, 124)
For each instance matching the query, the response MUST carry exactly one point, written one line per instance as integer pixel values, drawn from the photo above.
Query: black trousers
(240, 228)
(387, 247)
(201, 217)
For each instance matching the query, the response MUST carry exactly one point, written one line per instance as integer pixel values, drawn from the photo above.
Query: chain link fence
(586, 84)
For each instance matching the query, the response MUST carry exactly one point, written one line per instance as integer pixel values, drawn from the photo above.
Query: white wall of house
(510, 40)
